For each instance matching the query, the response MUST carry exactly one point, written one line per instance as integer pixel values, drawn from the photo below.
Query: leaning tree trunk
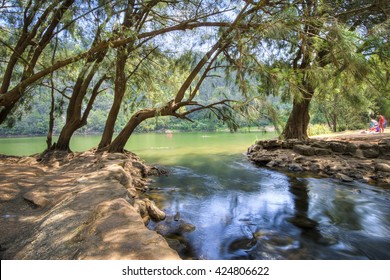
(66, 134)
(120, 89)
(298, 121)
(118, 144)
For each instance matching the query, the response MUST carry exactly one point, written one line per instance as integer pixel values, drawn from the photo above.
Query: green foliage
(338, 48)
(318, 129)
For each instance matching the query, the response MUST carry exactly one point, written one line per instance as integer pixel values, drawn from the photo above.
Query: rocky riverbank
(78, 206)
(360, 157)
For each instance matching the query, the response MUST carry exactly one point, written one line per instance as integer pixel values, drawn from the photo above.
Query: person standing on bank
(381, 124)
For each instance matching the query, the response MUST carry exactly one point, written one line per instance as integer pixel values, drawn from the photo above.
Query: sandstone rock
(186, 227)
(263, 159)
(384, 145)
(271, 164)
(271, 144)
(365, 146)
(289, 144)
(344, 177)
(253, 149)
(116, 172)
(304, 150)
(176, 245)
(320, 144)
(299, 159)
(338, 147)
(154, 212)
(169, 227)
(315, 167)
(371, 153)
(384, 149)
(114, 156)
(295, 167)
(116, 231)
(140, 207)
(37, 199)
(382, 167)
(322, 152)
(350, 149)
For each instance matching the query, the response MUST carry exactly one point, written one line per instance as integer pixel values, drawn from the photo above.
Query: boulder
(253, 149)
(338, 147)
(350, 149)
(365, 146)
(322, 152)
(344, 177)
(170, 227)
(290, 143)
(304, 150)
(186, 227)
(320, 144)
(154, 212)
(371, 153)
(315, 167)
(116, 172)
(271, 144)
(383, 167)
(263, 159)
(384, 149)
(295, 167)
(36, 199)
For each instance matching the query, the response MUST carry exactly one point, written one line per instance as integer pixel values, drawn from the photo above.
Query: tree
(337, 51)
(307, 42)
(36, 22)
(184, 97)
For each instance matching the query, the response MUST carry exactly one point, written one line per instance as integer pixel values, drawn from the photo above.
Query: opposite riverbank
(78, 206)
(346, 157)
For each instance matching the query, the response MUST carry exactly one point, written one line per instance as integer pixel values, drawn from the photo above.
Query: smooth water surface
(241, 211)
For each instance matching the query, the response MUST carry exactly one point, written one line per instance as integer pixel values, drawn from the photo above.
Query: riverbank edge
(78, 206)
(345, 157)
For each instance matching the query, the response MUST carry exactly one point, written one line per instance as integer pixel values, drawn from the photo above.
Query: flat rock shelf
(361, 157)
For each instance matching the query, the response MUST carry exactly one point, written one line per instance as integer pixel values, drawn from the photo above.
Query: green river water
(241, 211)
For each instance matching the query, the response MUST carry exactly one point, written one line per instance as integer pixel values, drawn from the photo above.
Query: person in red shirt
(381, 124)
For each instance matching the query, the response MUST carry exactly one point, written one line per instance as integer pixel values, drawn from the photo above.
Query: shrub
(318, 129)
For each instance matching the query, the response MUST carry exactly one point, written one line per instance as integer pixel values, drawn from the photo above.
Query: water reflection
(242, 212)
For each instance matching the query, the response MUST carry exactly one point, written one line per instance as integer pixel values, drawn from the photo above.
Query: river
(241, 211)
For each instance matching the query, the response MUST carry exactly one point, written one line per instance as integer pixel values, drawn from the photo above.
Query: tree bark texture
(120, 90)
(298, 121)
(118, 145)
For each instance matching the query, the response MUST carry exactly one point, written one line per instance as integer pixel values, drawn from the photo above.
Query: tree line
(154, 56)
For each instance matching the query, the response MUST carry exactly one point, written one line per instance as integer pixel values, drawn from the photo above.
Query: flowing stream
(221, 206)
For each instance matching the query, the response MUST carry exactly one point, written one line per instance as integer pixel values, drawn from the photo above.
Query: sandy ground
(82, 206)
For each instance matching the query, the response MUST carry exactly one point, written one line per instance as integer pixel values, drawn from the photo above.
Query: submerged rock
(303, 222)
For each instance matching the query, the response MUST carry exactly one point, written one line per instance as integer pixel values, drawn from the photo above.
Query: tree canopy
(284, 61)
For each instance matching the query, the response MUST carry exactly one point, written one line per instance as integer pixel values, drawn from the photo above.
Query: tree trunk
(66, 134)
(298, 121)
(118, 145)
(49, 138)
(120, 89)
(335, 111)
